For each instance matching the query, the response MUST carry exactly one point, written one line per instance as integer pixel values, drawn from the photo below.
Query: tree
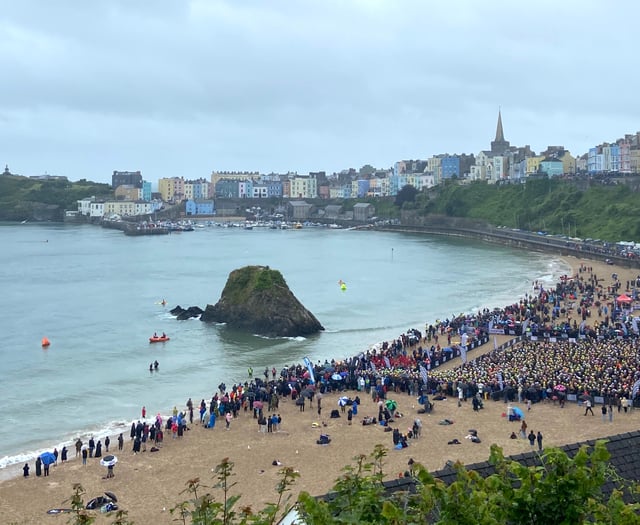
(406, 194)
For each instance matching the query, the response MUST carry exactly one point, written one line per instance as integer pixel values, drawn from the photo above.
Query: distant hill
(23, 198)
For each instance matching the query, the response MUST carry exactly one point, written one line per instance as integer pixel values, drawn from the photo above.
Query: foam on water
(94, 378)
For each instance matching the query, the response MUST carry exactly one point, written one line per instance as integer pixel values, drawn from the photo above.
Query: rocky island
(256, 299)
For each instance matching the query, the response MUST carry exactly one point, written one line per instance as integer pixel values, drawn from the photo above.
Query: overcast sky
(186, 87)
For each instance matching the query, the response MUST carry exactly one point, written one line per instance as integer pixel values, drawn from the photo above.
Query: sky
(184, 88)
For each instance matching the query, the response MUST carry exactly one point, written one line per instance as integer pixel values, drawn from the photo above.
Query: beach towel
(445, 422)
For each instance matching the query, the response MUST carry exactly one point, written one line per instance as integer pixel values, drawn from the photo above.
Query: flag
(495, 343)
(386, 362)
(634, 390)
(463, 351)
(373, 366)
(500, 380)
(525, 325)
(634, 325)
(423, 374)
(307, 362)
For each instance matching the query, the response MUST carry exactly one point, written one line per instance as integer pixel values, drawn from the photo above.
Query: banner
(634, 390)
(423, 374)
(309, 366)
(387, 362)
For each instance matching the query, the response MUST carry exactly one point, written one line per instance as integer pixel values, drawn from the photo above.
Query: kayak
(159, 339)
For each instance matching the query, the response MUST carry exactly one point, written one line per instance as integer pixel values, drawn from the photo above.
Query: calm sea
(96, 295)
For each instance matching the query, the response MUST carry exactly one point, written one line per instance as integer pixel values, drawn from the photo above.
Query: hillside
(607, 212)
(23, 198)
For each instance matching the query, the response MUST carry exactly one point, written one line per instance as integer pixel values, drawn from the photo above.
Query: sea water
(97, 295)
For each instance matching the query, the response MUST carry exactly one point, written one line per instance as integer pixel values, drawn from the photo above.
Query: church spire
(499, 146)
(499, 132)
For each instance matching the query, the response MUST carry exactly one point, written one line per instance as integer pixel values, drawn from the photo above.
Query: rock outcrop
(182, 314)
(256, 299)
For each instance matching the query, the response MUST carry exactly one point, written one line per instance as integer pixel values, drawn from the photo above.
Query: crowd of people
(577, 339)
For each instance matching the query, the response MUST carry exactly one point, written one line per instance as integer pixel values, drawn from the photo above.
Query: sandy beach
(149, 484)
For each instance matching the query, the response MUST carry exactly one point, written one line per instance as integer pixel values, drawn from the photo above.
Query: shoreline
(113, 427)
(253, 454)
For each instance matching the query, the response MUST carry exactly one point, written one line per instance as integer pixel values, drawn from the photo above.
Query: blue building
(146, 191)
(552, 167)
(450, 166)
(363, 188)
(200, 207)
(274, 188)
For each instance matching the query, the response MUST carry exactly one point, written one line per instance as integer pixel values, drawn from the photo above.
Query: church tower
(499, 146)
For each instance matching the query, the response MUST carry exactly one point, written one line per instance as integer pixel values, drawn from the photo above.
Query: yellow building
(171, 189)
(634, 160)
(533, 164)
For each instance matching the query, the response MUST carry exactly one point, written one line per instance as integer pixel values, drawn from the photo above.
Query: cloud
(184, 88)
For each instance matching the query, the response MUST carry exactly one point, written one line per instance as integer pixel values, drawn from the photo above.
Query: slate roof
(625, 457)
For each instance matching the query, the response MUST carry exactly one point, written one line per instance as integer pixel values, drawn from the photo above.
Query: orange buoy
(45, 342)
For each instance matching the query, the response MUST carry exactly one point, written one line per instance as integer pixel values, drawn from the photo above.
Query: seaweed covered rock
(256, 299)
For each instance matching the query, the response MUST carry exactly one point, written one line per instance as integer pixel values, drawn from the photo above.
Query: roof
(624, 458)
(362, 205)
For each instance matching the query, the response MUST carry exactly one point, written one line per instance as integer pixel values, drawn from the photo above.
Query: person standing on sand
(84, 456)
(25, 470)
(63, 454)
(92, 446)
(523, 429)
(38, 467)
(532, 438)
(539, 439)
(588, 408)
(107, 442)
(144, 412)
(120, 441)
(604, 413)
(78, 447)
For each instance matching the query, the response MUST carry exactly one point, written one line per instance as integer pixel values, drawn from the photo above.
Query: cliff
(256, 299)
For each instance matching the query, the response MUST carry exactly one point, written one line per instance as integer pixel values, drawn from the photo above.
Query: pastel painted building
(362, 188)
(304, 187)
(595, 160)
(146, 190)
(127, 208)
(200, 207)
(450, 166)
(171, 189)
(533, 164)
(245, 189)
(259, 191)
(552, 167)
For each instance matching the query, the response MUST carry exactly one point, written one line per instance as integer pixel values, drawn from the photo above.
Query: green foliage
(601, 212)
(244, 281)
(21, 196)
(405, 195)
(561, 490)
(202, 509)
